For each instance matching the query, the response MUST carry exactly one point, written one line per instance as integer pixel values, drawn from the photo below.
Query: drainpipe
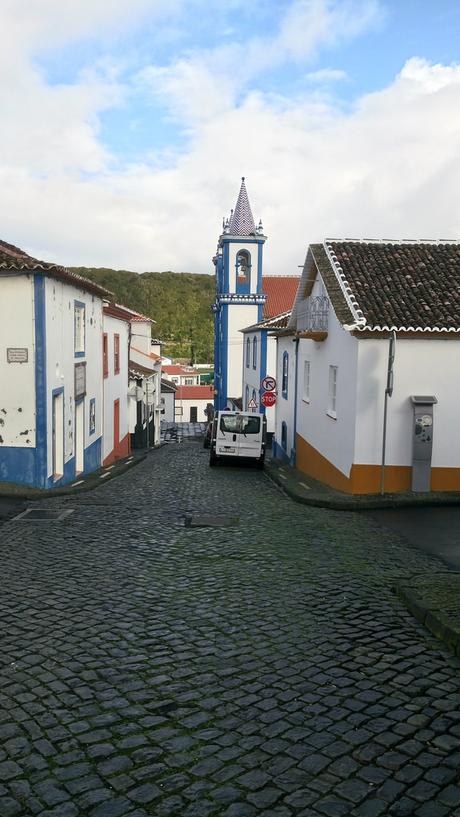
(294, 446)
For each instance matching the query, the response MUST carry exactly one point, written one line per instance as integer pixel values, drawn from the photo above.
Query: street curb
(363, 503)
(93, 483)
(433, 620)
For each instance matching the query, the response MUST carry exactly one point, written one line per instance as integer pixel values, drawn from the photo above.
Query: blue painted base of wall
(19, 466)
(92, 461)
(279, 453)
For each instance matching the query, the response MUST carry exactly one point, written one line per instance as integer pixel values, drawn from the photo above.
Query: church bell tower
(239, 297)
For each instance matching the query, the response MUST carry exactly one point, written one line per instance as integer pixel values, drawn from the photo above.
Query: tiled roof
(195, 393)
(277, 322)
(280, 291)
(151, 355)
(176, 368)
(242, 221)
(14, 259)
(399, 285)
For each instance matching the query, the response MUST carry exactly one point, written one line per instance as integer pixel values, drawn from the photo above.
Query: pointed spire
(241, 219)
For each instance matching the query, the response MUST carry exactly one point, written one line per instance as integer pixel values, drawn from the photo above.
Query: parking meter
(422, 441)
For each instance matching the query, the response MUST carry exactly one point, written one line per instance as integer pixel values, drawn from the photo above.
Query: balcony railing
(313, 314)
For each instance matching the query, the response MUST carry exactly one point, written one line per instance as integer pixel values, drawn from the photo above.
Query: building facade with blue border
(50, 372)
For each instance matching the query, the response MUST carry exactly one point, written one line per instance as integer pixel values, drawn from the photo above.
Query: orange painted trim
(123, 449)
(365, 479)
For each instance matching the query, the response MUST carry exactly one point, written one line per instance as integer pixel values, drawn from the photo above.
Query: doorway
(116, 425)
(193, 414)
(58, 435)
(80, 437)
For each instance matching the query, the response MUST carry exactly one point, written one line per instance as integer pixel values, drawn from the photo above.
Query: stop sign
(268, 399)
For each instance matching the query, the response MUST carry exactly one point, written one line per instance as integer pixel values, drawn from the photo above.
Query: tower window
(243, 271)
(254, 353)
(248, 351)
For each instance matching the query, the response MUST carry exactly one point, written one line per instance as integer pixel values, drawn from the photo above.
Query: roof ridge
(408, 241)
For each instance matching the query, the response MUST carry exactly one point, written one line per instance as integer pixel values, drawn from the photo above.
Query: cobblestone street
(149, 668)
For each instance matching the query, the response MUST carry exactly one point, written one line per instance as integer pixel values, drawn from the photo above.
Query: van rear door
(250, 436)
(227, 436)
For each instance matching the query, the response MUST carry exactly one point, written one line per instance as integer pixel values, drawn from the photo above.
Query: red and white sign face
(268, 399)
(268, 383)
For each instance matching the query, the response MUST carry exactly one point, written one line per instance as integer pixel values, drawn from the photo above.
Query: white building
(191, 403)
(168, 401)
(352, 296)
(145, 383)
(115, 355)
(180, 374)
(259, 361)
(50, 372)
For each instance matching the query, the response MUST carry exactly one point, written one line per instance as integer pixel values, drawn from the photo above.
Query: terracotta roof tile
(280, 291)
(401, 285)
(195, 393)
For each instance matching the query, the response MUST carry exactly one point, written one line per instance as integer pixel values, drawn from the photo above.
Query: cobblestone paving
(266, 669)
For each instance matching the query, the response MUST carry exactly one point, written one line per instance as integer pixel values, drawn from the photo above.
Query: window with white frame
(189, 381)
(254, 352)
(306, 381)
(246, 398)
(79, 328)
(248, 351)
(332, 405)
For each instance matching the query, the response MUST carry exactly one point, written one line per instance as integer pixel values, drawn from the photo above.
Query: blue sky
(126, 124)
(140, 125)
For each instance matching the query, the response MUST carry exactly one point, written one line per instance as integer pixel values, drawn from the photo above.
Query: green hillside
(179, 302)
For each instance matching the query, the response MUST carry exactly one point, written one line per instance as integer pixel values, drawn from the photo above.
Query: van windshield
(239, 424)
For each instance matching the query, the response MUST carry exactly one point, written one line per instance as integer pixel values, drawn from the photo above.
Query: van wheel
(212, 459)
(260, 463)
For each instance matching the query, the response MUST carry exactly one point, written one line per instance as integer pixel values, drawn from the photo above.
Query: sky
(125, 126)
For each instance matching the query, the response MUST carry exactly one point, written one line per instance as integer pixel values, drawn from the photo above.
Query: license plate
(229, 449)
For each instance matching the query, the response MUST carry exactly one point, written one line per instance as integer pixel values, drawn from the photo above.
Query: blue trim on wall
(263, 360)
(91, 462)
(284, 391)
(224, 359)
(226, 255)
(278, 453)
(41, 414)
(259, 267)
(18, 465)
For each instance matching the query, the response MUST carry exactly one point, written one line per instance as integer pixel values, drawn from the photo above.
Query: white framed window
(248, 351)
(332, 404)
(306, 381)
(189, 381)
(79, 328)
(254, 352)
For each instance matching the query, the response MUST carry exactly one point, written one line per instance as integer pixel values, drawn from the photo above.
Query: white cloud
(389, 167)
(326, 76)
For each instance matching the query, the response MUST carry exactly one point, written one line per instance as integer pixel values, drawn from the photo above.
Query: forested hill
(179, 302)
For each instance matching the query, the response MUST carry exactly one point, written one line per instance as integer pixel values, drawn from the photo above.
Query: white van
(236, 434)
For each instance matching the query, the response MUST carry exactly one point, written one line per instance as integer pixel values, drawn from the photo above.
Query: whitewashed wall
(333, 438)
(115, 385)
(60, 360)
(251, 376)
(285, 407)
(429, 367)
(17, 380)
(239, 316)
(186, 405)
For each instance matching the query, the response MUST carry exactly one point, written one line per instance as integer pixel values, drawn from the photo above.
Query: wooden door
(193, 414)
